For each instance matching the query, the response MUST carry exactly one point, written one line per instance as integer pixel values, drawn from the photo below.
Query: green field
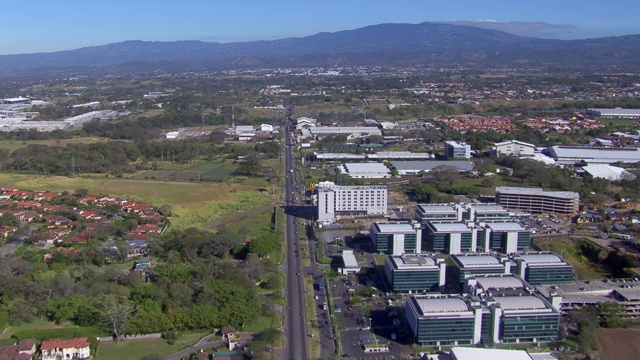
(214, 172)
(569, 249)
(136, 349)
(194, 204)
(12, 145)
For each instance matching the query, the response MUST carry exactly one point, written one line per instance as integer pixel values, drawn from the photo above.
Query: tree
(116, 311)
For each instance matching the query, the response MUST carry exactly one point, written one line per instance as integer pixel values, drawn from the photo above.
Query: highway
(296, 329)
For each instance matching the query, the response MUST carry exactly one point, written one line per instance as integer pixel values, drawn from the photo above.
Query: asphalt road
(296, 330)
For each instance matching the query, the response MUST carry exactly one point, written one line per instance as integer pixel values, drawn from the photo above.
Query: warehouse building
(619, 113)
(366, 170)
(417, 167)
(399, 155)
(355, 132)
(469, 265)
(515, 148)
(542, 267)
(536, 200)
(608, 172)
(570, 155)
(415, 273)
(335, 201)
(338, 156)
(397, 238)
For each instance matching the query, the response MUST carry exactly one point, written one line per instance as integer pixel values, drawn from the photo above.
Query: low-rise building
(413, 273)
(397, 238)
(457, 150)
(366, 170)
(56, 349)
(349, 263)
(515, 148)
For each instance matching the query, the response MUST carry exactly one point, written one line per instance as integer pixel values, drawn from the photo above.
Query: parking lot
(360, 305)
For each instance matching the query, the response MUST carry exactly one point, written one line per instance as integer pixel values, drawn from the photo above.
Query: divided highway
(296, 329)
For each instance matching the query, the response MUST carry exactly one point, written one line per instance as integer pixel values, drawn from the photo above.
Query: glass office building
(415, 273)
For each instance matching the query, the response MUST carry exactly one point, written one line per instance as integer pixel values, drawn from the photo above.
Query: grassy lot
(194, 204)
(135, 349)
(312, 318)
(570, 250)
(34, 325)
(12, 145)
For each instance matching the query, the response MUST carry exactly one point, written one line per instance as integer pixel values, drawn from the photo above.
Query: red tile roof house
(39, 196)
(23, 350)
(65, 349)
(148, 228)
(27, 216)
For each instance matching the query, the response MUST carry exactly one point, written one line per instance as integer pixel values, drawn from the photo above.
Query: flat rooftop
(417, 165)
(349, 259)
(443, 306)
(476, 260)
(449, 227)
(366, 168)
(541, 259)
(436, 208)
(469, 353)
(505, 226)
(480, 208)
(499, 282)
(536, 192)
(515, 303)
(399, 228)
(413, 262)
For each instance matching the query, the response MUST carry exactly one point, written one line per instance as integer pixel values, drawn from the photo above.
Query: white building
(608, 172)
(266, 127)
(515, 148)
(335, 201)
(366, 170)
(456, 150)
(353, 132)
(350, 263)
(569, 155)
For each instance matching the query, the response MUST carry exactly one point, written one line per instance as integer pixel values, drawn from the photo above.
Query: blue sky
(47, 25)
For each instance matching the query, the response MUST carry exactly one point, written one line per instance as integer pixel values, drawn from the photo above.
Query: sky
(34, 26)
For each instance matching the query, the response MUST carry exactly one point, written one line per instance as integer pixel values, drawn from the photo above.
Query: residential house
(56, 349)
(589, 217)
(27, 216)
(57, 222)
(88, 200)
(23, 350)
(69, 252)
(39, 196)
(148, 229)
(137, 208)
(27, 204)
(6, 230)
(90, 215)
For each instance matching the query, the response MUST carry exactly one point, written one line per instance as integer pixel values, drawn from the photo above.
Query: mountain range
(428, 44)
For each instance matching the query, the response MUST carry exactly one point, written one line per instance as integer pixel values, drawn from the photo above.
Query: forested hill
(385, 44)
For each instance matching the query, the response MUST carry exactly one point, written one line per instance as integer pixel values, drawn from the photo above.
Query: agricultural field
(194, 204)
(618, 344)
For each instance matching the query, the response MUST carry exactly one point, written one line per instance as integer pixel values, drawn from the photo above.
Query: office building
(542, 267)
(461, 212)
(442, 320)
(505, 311)
(450, 238)
(467, 237)
(456, 150)
(335, 201)
(503, 237)
(397, 238)
(415, 273)
(468, 265)
(536, 200)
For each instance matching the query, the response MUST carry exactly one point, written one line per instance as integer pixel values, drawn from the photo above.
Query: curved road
(296, 330)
